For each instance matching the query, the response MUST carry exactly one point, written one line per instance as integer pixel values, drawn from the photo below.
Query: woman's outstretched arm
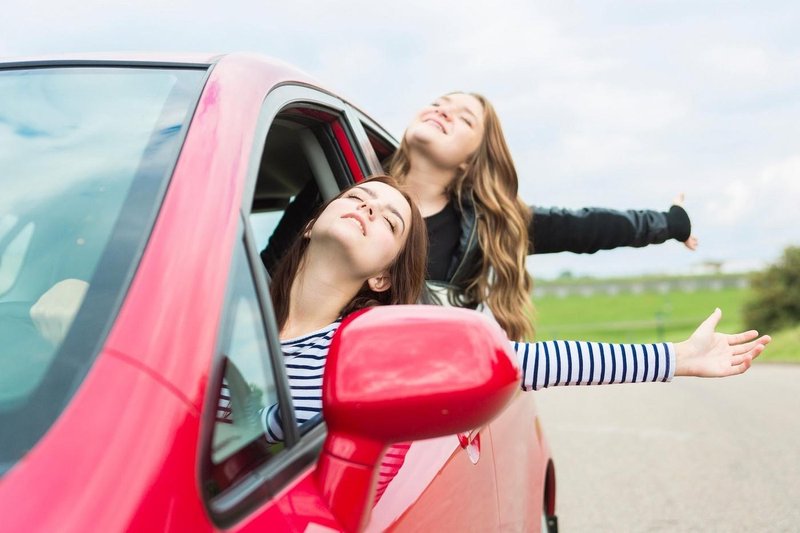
(587, 230)
(556, 363)
(706, 353)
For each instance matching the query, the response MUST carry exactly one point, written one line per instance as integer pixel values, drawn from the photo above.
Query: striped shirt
(304, 359)
(543, 364)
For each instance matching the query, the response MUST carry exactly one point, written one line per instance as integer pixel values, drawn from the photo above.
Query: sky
(620, 104)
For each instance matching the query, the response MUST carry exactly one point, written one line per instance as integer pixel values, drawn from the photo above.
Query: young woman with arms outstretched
(366, 247)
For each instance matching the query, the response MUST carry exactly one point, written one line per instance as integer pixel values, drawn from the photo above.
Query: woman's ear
(307, 229)
(380, 283)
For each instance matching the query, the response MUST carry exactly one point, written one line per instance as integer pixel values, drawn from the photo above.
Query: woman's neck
(427, 185)
(317, 297)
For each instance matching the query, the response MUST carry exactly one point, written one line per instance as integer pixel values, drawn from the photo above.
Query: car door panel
(439, 488)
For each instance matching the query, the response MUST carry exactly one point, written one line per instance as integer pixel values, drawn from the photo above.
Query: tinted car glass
(84, 157)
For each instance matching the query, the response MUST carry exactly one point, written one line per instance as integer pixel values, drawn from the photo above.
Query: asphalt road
(691, 455)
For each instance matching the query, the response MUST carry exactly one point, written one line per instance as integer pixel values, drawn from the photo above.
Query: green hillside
(636, 317)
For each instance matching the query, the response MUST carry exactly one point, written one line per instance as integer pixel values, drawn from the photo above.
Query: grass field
(651, 317)
(784, 348)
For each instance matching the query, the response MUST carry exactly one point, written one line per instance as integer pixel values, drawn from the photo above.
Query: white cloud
(782, 177)
(738, 60)
(733, 204)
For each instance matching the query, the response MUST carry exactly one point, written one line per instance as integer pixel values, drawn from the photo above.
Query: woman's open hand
(710, 354)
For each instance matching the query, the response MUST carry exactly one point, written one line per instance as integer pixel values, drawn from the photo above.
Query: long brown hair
(406, 273)
(502, 282)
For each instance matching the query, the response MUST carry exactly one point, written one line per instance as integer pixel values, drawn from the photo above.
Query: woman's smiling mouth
(358, 220)
(434, 122)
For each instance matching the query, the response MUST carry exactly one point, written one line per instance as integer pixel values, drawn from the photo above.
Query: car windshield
(85, 155)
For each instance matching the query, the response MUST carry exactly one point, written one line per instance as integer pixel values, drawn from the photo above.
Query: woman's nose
(368, 208)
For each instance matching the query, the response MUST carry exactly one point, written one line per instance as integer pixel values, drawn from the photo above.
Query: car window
(15, 237)
(381, 144)
(302, 164)
(246, 387)
(86, 154)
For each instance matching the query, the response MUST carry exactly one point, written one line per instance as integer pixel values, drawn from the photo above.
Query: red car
(157, 182)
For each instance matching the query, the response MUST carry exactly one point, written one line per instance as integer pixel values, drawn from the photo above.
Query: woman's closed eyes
(392, 225)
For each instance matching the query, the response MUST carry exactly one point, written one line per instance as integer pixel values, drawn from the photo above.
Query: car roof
(146, 59)
(117, 58)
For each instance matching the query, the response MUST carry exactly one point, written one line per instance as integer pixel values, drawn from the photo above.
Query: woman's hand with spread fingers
(708, 353)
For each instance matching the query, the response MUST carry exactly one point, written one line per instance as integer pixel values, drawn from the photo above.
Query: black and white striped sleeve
(556, 363)
(304, 373)
(304, 360)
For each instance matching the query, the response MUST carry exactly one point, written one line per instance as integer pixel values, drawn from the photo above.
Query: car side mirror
(404, 373)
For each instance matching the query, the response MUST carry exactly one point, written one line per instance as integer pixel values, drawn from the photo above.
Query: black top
(443, 231)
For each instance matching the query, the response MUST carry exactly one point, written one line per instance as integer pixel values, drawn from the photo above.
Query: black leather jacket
(582, 231)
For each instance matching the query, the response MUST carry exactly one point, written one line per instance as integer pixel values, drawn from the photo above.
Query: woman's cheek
(390, 247)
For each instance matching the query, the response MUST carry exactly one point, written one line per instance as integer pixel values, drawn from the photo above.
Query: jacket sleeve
(587, 230)
(556, 363)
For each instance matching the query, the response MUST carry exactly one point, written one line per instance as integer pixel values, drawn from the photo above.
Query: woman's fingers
(739, 338)
(741, 362)
(710, 323)
(745, 347)
(741, 368)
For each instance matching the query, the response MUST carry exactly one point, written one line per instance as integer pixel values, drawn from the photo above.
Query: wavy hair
(407, 272)
(490, 180)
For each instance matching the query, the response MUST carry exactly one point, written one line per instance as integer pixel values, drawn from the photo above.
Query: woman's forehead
(466, 100)
(384, 191)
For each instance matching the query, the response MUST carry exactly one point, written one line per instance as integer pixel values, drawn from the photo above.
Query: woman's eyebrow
(468, 110)
(388, 206)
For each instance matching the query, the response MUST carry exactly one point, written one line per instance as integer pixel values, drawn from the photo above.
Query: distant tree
(566, 274)
(775, 303)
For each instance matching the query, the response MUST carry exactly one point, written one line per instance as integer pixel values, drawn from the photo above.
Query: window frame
(362, 122)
